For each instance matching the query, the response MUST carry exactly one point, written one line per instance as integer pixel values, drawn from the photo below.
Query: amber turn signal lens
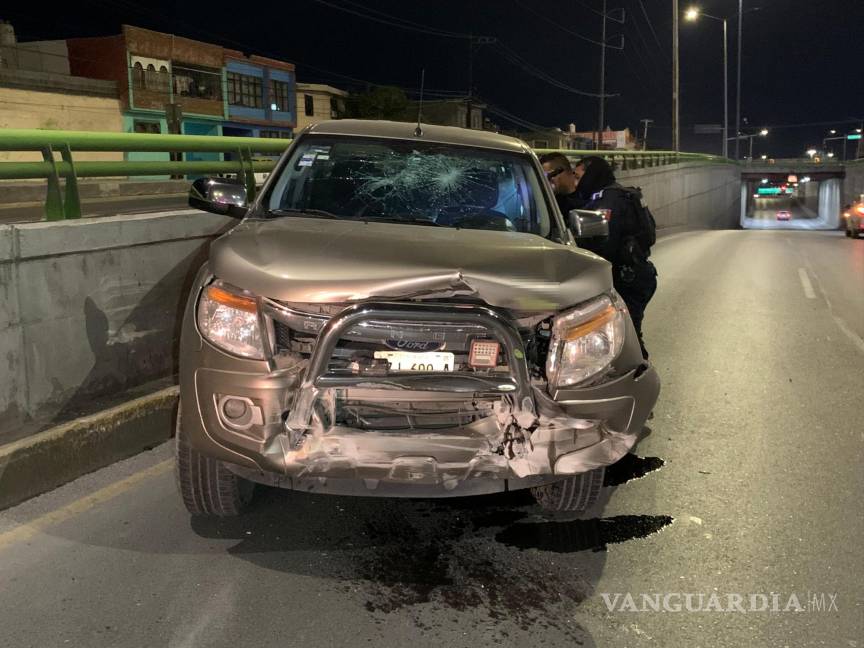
(232, 300)
(604, 317)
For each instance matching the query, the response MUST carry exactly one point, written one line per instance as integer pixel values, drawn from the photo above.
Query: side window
(151, 127)
(309, 105)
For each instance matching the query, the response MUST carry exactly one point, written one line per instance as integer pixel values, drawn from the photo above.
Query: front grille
(355, 352)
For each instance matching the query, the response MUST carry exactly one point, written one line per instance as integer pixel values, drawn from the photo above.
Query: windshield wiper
(396, 219)
(288, 211)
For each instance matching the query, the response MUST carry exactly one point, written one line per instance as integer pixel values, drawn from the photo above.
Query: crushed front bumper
(519, 435)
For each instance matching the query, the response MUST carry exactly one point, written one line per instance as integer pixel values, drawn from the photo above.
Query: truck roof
(430, 133)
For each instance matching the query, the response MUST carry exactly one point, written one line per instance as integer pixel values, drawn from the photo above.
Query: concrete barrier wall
(91, 308)
(853, 183)
(706, 196)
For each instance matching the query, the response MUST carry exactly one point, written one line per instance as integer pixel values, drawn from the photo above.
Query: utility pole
(601, 125)
(676, 134)
(725, 94)
(470, 80)
(645, 123)
(738, 92)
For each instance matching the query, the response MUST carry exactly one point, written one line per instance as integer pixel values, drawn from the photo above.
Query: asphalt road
(804, 213)
(750, 482)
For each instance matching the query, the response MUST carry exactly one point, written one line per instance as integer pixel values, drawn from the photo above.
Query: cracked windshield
(411, 182)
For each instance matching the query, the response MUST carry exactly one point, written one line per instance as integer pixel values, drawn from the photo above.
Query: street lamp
(763, 132)
(833, 131)
(811, 152)
(691, 15)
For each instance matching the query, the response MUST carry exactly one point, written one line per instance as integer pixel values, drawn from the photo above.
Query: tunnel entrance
(790, 200)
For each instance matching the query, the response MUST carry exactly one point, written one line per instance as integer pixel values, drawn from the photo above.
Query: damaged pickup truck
(404, 312)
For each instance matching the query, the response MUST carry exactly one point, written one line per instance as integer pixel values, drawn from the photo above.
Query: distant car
(783, 215)
(853, 215)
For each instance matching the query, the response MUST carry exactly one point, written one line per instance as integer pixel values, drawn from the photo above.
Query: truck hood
(314, 260)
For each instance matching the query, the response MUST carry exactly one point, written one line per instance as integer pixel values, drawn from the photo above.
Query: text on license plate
(404, 361)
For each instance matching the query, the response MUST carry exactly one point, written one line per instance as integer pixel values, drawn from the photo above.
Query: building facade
(318, 102)
(38, 91)
(171, 84)
(461, 112)
(259, 97)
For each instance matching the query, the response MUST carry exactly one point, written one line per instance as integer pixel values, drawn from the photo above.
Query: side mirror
(588, 223)
(219, 196)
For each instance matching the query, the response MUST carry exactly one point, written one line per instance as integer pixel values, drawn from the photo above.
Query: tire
(848, 233)
(574, 494)
(207, 487)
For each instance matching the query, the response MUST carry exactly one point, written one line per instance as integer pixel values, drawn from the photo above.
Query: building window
(337, 108)
(476, 120)
(275, 134)
(198, 83)
(245, 90)
(309, 105)
(461, 116)
(151, 127)
(280, 94)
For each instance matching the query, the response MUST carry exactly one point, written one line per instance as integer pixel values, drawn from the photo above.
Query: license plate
(404, 361)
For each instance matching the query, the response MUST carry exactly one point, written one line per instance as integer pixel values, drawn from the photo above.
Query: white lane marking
(856, 339)
(805, 283)
(25, 531)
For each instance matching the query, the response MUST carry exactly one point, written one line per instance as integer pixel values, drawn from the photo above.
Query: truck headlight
(585, 340)
(228, 318)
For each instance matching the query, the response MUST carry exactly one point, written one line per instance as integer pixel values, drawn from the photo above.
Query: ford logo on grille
(414, 345)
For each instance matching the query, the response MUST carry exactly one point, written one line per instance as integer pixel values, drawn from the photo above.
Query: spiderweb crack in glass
(444, 180)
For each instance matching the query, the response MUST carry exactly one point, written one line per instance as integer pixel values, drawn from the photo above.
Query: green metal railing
(66, 203)
(629, 160)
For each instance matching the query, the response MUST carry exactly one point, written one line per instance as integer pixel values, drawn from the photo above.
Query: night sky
(803, 69)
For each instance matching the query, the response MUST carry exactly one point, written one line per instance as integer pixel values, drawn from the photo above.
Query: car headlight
(228, 318)
(585, 340)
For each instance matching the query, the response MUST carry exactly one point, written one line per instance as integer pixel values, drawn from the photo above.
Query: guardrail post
(72, 203)
(248, 173)
(53, 198)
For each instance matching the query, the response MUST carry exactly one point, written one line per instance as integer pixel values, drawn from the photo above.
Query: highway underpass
(814, 198)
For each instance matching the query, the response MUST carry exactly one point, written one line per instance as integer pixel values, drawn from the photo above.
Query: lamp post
(676, 127)
(738, 92)
(761, 133)
(691, 15)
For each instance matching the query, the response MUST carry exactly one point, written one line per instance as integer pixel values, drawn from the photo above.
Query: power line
(527, 67)
(394, 21)
(557, 24)
(650, 24)
(519, 121)
(650, 50)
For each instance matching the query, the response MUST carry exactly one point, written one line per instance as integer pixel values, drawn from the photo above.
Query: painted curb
(40, 463)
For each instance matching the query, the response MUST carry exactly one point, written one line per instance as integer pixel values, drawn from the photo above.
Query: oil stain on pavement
(494, 557)
(470, 554)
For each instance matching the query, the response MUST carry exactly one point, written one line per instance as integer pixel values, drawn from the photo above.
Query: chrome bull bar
(516, 386)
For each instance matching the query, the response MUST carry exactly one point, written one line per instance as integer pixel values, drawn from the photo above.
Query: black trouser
(636, 293)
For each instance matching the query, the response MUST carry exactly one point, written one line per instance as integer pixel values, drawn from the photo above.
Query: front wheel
(207, 487)
(575, 494)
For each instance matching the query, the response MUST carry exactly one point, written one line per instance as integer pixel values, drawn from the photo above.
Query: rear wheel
(575, 494)
(206, 485)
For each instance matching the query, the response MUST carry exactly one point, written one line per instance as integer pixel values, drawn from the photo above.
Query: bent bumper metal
(517, 436)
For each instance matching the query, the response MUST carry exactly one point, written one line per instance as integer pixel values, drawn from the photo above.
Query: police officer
(591, 185)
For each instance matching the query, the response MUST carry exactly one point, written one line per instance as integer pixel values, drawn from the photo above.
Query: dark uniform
(633, 275)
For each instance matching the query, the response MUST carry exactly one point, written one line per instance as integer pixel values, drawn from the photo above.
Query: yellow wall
(321, 107)
(31, 109)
